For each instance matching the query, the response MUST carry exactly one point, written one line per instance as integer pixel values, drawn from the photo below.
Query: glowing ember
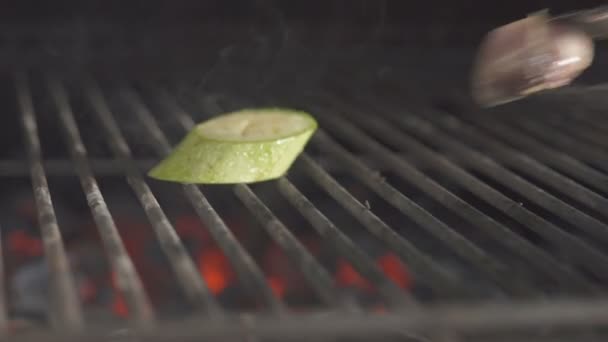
(395, 270)
(215, 270)
(119, 305)
(284, 279)
(391, 266)
(278, 286)
(347, 276)
(21, 243)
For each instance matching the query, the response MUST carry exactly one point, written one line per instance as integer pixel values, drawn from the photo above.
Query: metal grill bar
(67, 312)
(590, 122)
(395, 297)
(187, 274)
(597, 112)
(591, 154)
(103, 167)
(568, 118)
(464, 209)
(491, 169)
(420, 263)
(318, 277)
(545, 262)
(453, 240)
(589, 135)
(249, 272)
(419, 128)
(494, 317)
(127, 279)
(521, 162)
(571, 245)
(549, 155)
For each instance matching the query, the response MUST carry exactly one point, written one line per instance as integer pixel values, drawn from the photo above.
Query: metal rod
(185, 269)
(66, 311)
(109, 167)
(408, 252)
(588, 135)
(425, 269)
(450, 238)
(553, 157)
(593, 228)
(318, 277)
(247, 270)
(589, 123)
(570, 244)
(522, 162)
(490, 317)
(501, 175)
(570, 121)
(514, 243)
(396, 297)
(127, 280)
(593, 120)
(587, 153)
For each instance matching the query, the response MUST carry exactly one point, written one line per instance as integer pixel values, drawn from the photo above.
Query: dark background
(185, 31)
(266, 44)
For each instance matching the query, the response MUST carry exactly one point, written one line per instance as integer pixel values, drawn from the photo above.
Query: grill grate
(521, 203)
(64, 293)
(568, 242)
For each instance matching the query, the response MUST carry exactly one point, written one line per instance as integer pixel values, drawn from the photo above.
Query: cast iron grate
(519, 201)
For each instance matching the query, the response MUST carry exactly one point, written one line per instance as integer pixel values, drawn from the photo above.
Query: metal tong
(535, 54)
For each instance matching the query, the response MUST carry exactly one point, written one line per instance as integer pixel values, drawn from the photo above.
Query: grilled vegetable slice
(246, 146)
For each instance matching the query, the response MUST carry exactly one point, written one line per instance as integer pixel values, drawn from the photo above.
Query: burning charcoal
(528, 56)
(394, 269)
(346, 276)
(283, 278)
(22, 244)
(389, 263)
(215, 270)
